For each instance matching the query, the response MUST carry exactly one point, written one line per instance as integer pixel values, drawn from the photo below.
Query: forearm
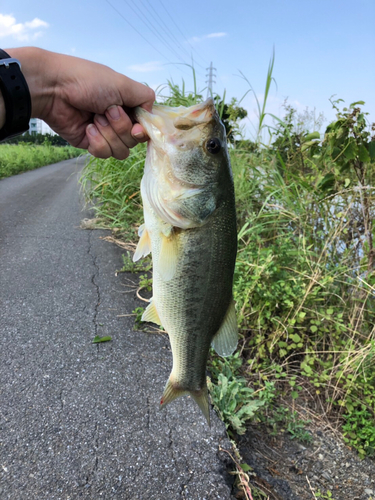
(36, 66)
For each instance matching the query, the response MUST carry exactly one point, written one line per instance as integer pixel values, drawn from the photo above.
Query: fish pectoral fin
(144, 244)
(172, 391)
(167, 262)
(151, 315)
(225, 340)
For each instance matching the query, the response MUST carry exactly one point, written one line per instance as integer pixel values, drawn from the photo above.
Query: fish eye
(213, 145)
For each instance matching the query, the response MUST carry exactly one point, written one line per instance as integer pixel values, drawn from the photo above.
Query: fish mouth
(165, 120)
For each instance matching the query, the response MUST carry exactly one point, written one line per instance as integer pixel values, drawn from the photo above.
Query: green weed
(97, 339)
(138, 324)
(320, 494)
(133, 267)
(17, 158)
(232, 398)
(283, 419)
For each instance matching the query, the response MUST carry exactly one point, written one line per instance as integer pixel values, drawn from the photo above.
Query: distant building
(35, 126)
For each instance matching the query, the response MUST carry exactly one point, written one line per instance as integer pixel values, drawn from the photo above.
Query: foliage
(233, 400)
(15, 159)
(290, 143)
(145, 282)
(48, 139)
(261, 126)
(326, 495)
(282, 418)
(348, 158)
(134, 267)
(179, 96)
(359, 430)
(304, 281)
(237, 403)
(138, 312)
(231, 114)
(97, 339)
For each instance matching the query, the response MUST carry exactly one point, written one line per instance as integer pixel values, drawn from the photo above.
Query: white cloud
(20, 31)
(216, 35)
(197, 39)
(147, 67)
(36, 23)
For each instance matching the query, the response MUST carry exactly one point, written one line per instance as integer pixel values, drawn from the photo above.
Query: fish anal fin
(144, 244)
(151, 314)
(168, 258)
(172, 391)
(225, 340)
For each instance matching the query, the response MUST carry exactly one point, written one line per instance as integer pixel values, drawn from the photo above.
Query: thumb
(136, 94)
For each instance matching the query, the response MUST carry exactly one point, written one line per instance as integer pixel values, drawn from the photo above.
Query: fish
(190, 230)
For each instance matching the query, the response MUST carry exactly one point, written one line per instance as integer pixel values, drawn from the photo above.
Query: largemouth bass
(190, 229)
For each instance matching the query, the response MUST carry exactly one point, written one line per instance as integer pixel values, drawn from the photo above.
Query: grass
(17, 158)
(115, 186)
(304, 282)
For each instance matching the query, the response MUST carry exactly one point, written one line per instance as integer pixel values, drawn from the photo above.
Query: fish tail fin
(201, 398)
(172, 391)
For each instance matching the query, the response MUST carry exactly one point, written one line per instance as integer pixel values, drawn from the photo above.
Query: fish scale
(199, 288)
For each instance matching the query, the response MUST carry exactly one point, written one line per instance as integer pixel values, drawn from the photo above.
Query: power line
(169, 32)
(139, 33)
(147, 41)
(174, 22)
(149, 25)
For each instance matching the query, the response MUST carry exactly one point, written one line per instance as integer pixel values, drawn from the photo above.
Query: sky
(323, 48)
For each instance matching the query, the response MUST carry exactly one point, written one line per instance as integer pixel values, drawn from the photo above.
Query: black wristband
(16, 97)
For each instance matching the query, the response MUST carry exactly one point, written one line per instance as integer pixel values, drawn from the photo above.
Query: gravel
(288, 470)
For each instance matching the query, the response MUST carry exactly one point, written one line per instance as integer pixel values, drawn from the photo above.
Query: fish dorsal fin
(144, 244)
(225, 340)
(168, 258)
(151, 315)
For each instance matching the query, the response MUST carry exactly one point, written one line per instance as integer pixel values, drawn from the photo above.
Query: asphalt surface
(82, 420)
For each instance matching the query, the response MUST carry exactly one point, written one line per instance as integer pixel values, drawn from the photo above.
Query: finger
(98, 146)
(121, 124)
(136, 94)
(118, 148)
(139, 133)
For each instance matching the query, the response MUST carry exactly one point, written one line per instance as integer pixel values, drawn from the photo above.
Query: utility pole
(210, 80)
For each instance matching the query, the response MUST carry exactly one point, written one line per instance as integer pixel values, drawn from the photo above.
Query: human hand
(84, 102)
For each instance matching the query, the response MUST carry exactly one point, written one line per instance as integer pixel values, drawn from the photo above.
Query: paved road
(78, 420)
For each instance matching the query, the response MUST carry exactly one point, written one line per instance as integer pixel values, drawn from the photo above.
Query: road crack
(94, 282)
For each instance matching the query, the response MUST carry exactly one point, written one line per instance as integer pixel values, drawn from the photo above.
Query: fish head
(187, 144)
